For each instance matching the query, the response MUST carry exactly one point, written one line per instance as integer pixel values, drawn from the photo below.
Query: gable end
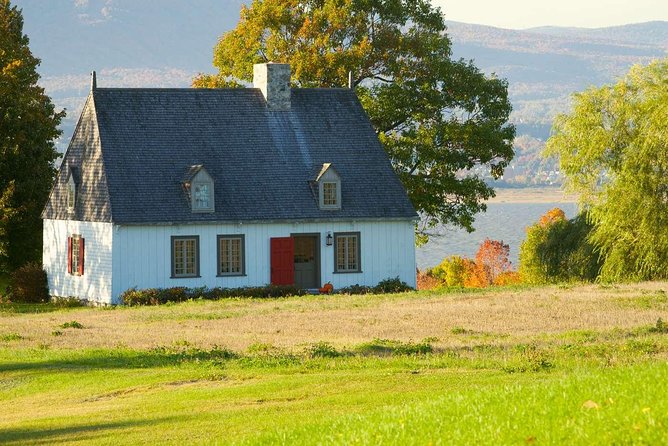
(83, 165)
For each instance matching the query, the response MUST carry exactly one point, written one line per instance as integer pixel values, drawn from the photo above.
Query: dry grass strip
(454, 318)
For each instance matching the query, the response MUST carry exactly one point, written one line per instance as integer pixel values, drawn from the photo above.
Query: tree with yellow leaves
(442, 121)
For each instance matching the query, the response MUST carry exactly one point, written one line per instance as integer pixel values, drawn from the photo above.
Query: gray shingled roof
(133, 146)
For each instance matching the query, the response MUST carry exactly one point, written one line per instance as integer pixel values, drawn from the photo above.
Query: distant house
(225, 188)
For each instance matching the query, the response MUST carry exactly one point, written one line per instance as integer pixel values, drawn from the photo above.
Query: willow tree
(28, 128)
(442, 122)
(613, 149)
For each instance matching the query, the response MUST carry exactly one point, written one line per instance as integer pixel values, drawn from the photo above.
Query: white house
(225, 188)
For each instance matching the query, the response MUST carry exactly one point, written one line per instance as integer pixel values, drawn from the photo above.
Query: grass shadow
(20, 308)
(84, 432)
(122, 359)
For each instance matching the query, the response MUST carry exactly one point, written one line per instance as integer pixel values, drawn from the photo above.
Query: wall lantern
(329, 240)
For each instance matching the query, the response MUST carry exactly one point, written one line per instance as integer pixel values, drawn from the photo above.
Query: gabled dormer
(200, 188)
(329, 188)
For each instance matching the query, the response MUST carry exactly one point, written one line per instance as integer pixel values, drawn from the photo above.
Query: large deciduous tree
(28, 127)
(442, 122)
(613, 149)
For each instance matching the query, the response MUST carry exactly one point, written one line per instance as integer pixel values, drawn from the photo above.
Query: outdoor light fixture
(329, 240)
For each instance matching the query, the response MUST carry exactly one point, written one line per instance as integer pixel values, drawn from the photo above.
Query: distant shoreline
(533, 195)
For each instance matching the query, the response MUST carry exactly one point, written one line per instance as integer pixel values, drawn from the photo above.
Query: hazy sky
(528, 13)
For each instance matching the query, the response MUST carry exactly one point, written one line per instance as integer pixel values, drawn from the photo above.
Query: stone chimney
(274, 81)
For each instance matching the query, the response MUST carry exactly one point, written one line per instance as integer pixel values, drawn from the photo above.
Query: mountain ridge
(165, 43)
(639, 32)
(544, 67)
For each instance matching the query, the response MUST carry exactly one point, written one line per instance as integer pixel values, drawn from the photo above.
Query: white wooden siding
(95, 284)
(142, 254)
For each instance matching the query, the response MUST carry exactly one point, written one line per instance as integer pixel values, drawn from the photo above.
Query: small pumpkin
(326, 288)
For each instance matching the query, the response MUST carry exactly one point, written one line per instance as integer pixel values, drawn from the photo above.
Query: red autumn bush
(427, 281)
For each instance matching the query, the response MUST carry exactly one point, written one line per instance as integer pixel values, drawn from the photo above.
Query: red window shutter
(69, 255)
(81, 256)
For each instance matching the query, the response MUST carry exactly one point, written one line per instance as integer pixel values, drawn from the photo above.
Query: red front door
(282, 261)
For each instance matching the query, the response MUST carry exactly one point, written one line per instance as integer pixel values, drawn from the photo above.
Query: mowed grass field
(546, 365)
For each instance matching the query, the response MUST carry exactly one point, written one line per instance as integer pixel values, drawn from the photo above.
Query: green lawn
(571, 387)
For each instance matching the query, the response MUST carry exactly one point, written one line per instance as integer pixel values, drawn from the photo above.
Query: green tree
(28, 127)
(442, 122)
(613, 149)
(558, 250)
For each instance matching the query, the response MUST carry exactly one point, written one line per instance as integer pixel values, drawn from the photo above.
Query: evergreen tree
(28, 128)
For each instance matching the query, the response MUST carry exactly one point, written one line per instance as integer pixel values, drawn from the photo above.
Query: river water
(502, 221)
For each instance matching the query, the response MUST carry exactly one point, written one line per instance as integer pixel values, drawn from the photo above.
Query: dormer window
(330, 194)
(329, 188)
(71, 193)
(202, 199)
(200, 186)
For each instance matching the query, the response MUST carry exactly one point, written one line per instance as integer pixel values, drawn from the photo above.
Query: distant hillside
(651, 33)
(130, 43)
(544, 66)
(164, 43)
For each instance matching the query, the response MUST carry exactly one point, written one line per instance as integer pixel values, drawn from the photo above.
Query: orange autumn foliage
(508, 278)
(492, 266)
(552, 216)
(491, 261)
(475, 276)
